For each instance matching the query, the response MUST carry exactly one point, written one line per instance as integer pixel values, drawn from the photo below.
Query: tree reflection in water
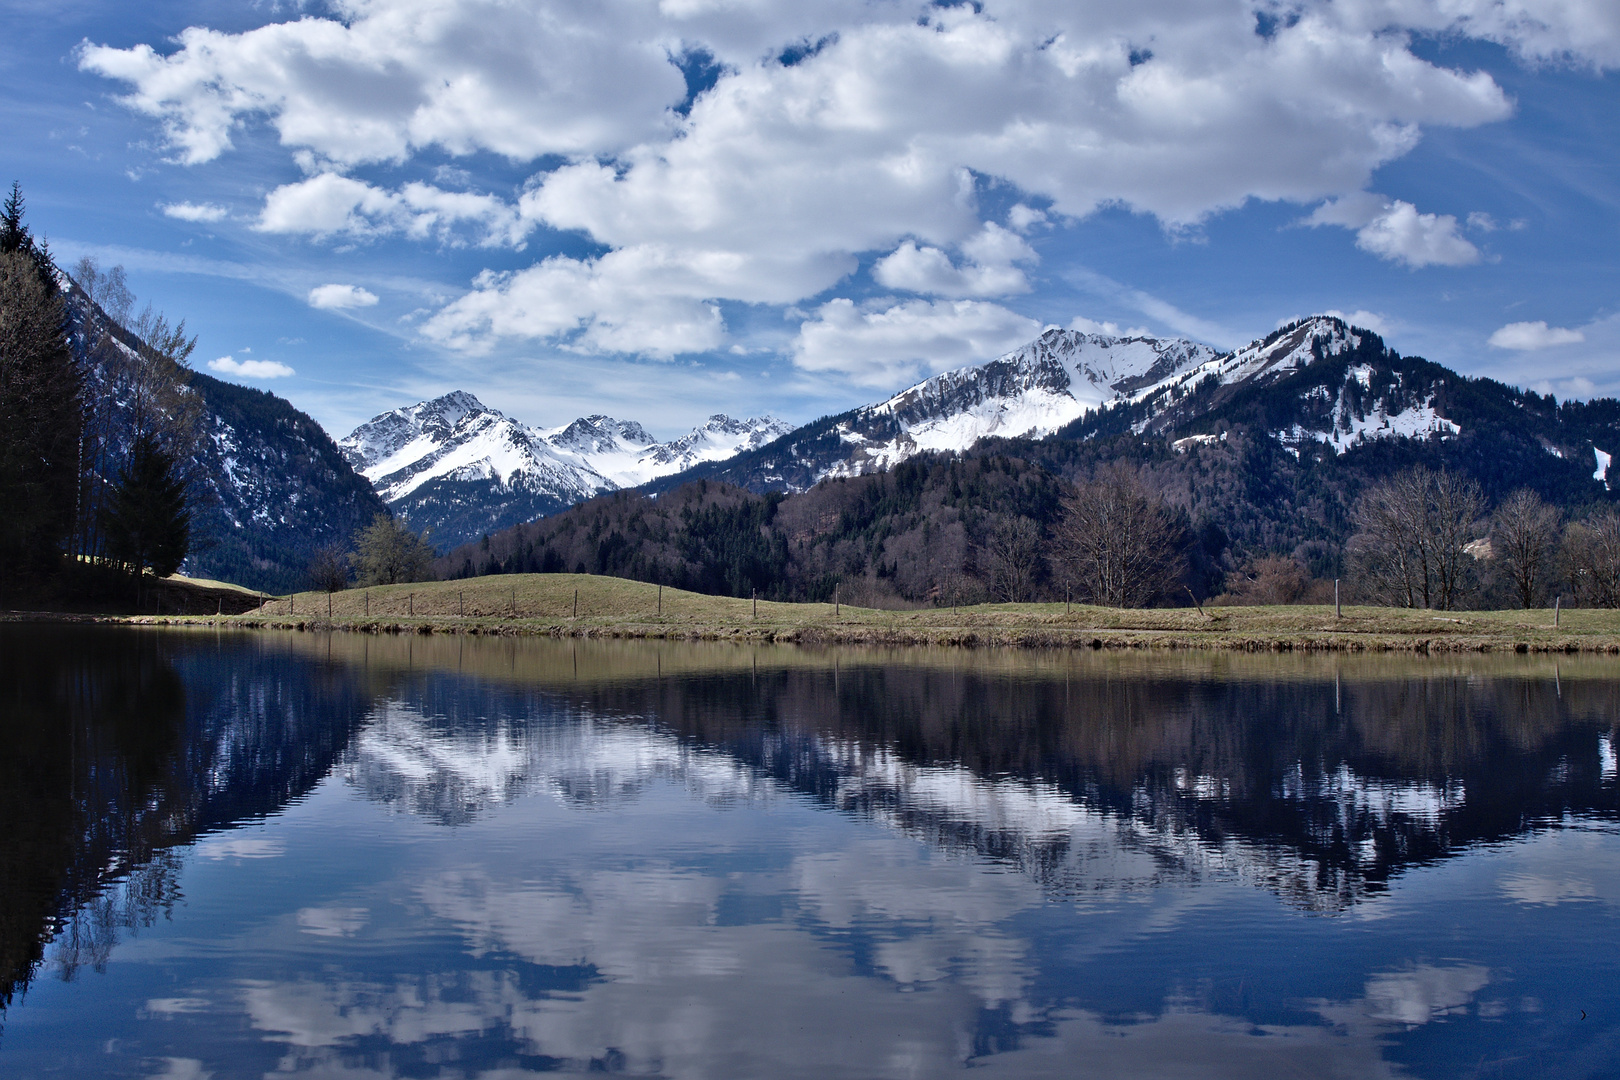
(123, 747)
(1043, 776)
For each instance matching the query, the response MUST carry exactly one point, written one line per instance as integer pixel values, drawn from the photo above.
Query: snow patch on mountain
(1349, 431)
(1030, 392)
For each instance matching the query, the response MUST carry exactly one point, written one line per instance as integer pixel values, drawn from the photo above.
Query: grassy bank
(574, 605)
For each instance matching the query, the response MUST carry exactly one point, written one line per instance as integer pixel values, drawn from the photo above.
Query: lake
(238, 854)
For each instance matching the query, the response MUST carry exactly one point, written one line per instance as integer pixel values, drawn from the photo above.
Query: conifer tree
(148, 520)
(40, 417)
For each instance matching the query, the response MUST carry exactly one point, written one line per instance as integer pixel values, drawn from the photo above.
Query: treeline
(94, 434)
(1129, 522)
(935, 530)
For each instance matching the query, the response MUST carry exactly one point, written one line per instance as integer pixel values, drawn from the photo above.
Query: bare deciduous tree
(1524, 535)
(1412, 532)
(329, 569)
(1592, 548)
(1012, 557)
(1272, 579)
(1117, 542)
(136, 387)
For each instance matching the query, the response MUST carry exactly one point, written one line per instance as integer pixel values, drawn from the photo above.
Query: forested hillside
(944, 527)
(119, 463)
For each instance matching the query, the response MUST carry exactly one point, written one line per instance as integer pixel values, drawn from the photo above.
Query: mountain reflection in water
(396, 856)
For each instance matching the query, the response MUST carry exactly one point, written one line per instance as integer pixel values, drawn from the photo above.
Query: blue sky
(661, 209)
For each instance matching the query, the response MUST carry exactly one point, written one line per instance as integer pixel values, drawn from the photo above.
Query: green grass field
(586, 606)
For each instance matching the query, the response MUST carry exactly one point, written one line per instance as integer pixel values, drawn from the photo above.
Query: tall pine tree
(40, 407)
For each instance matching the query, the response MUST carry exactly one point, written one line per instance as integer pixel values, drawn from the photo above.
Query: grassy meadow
(579, 605)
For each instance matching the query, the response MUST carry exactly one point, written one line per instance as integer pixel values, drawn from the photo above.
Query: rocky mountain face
(1316, 386)
(459, 469)
(269, 485)
(1030, 392)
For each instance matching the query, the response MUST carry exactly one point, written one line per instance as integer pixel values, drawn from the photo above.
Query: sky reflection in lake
(267, 855)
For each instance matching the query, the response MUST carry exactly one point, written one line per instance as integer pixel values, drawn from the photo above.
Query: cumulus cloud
(1362, 318)
(640, 300)
(198, 212)
(772, 184)
(884, 345)
(384, 80)
(329, 204)
(1393, 229)
(338, 297)
(1107, 329)
(1582, 32)
(250, 369)
(1528, 336)
(988, 271)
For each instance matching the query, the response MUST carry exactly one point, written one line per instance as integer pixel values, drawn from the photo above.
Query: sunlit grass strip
(587, 606)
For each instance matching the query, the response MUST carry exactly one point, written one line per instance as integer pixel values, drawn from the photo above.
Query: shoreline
(992, 636)
(583, 606)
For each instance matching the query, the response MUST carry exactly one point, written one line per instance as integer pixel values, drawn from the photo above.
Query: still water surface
(245, 855)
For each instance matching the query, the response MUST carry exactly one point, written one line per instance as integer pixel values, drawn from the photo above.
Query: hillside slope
(269, 485)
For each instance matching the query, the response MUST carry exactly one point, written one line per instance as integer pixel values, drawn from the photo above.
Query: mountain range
(456, 469)
(1261, 452)
(274, 486)
(1344, 389)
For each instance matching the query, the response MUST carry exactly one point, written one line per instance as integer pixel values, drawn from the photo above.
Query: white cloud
(1582, 361)
(1393, 229)
(329, 204)
(1362, 318)
(1023, 218)
(644, 300)
(1584, 32)
(520, 79)
(198, 212)
(337, 297)
(782, 176)
(988, 272)
(1527, 336)
(1106, 329)
(250, 369)
(883, 347)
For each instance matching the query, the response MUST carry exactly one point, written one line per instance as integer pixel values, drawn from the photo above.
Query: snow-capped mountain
(1361, 398)
(1032, 391)
(459, 469)
(1316, 386)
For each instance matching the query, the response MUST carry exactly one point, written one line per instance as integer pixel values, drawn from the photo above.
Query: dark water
(265, 855)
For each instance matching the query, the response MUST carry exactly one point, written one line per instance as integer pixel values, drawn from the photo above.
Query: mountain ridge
(458, 469)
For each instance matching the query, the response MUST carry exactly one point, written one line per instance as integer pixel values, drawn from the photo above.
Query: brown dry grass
(613, 607)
